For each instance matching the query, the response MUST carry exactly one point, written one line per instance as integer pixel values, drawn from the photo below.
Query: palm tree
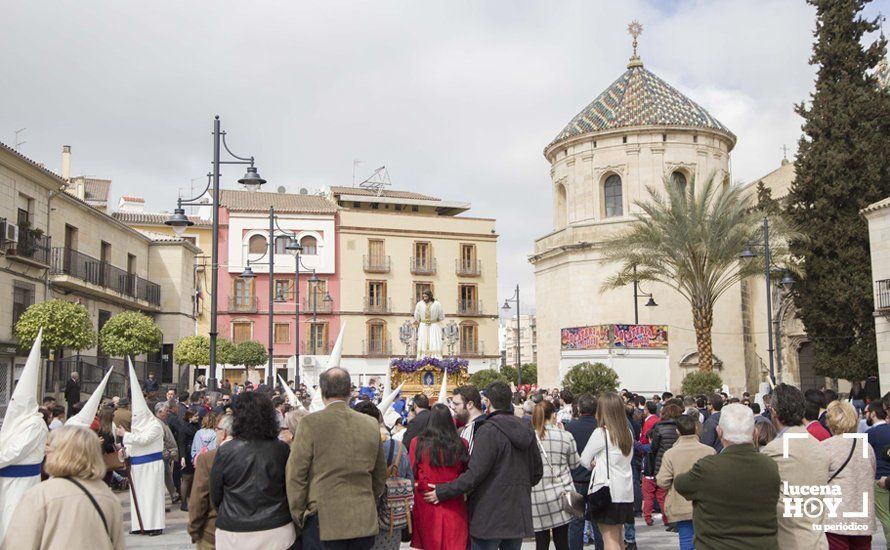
(690, 240)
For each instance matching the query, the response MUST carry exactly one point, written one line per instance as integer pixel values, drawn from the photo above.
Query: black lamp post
(638, 293)
(506, 308)
(786, 282)
(179, 222)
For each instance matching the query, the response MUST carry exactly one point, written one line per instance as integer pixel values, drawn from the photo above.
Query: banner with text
(614, 336)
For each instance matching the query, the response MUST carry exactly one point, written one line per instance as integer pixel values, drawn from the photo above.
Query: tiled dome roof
(639, 98)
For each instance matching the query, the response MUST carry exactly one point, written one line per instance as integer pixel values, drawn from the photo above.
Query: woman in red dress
(438, 455)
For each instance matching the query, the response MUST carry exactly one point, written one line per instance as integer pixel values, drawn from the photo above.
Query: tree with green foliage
(195, 351)
(483, 378)
(701, 383)
(843, 165)
(66, 325)
(249, 353)
(529, 374)
(590, 378)
(689, 238)
(130, 333)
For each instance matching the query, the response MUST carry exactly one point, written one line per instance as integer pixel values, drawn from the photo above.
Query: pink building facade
(244, 303)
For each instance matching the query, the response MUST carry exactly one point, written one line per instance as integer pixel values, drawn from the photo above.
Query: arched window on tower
(613, 197)
(257, 244)
(679, 179)
(561, 214)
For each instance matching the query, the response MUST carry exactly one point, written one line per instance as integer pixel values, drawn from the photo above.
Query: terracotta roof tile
(152, 218)
(96, 189)
(246, 201)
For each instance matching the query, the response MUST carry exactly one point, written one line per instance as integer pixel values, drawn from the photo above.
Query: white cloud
(456, 98)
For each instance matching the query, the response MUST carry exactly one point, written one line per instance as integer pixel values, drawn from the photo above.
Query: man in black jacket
(421, 419)
(72, 392)
(709, 430)
(581, 429)
(504, 466)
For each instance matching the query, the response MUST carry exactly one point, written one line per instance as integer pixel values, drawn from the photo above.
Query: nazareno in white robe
(20, 461)
(429, 330)
(22, 439)
(144, 444)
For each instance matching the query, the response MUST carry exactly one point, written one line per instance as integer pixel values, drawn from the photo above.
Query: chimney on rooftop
(66, 162)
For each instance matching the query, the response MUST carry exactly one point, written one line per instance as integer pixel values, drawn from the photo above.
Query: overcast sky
(456, 98)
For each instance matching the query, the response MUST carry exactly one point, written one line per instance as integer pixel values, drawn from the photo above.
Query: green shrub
(529, 374)
(249, 353)
(701, 382)
(130, 333)
(485, 377)
(66, 325)
(590, 378)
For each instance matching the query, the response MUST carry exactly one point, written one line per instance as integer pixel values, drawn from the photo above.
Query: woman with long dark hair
(247, 482)
(608, 454)
(438, 455)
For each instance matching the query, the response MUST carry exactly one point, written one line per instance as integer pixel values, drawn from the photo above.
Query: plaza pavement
(175, 536)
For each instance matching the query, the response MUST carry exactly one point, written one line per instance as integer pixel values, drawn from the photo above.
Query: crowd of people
(482, 469)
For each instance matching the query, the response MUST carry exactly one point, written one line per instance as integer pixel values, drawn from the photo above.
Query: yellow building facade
(393, 245)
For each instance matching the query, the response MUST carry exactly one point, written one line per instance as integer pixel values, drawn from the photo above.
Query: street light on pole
(786, 283)
(638, 293)
(180, 222)
(506, 308)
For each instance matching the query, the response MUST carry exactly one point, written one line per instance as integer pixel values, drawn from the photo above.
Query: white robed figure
(428, 317)
(144, 445)
(22, 439)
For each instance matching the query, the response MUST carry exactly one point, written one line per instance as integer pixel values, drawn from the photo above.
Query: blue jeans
(495, 544)
(630, 532)
(576, 527)
(687, 534)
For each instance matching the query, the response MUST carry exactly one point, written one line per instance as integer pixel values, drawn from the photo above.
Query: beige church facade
(637, 132)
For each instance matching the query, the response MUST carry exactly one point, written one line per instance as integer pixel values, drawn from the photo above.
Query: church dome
(639, 98)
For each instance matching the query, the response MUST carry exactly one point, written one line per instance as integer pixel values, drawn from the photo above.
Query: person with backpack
(205, 438)
(394, 509)
(439, 455)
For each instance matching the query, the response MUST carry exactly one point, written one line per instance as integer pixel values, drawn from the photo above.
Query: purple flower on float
(451, 365)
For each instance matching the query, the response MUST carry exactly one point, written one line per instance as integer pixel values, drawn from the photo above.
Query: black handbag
(599, 500)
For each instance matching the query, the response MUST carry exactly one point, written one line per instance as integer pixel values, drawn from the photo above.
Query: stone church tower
(634, 134)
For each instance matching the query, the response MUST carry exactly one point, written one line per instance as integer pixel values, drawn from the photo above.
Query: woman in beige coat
(853, 473)
(58, 513)
(677, 460)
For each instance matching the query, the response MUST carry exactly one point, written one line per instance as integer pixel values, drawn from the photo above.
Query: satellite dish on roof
(282, 189)
(304, 191)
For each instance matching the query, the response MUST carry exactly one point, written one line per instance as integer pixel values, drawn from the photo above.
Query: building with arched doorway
(637, 132)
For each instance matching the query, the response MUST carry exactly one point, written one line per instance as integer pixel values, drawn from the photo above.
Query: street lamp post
(638, 293)
(787, 282)
(506, 307)
(180, 222)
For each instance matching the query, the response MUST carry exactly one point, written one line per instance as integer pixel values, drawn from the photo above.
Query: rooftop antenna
(355, 163)
(377, 181)
(18, 143)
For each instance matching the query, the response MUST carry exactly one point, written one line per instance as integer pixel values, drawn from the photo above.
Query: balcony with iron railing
(320, 348)
(377, 348)
(469, 307)
(423, 266)
(473, 348)
(468, 268)
(32, 247)
(882, 295)
(376, 264)
(77, 271)
(243, 304)
(377, 305)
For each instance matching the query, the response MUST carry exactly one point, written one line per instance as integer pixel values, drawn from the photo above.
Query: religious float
(427, 337)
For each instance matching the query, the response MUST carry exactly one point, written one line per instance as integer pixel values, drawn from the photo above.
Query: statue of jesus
(428, 317)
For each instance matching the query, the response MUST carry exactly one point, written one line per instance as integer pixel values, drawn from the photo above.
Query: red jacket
(818, 431)
(650, 421)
